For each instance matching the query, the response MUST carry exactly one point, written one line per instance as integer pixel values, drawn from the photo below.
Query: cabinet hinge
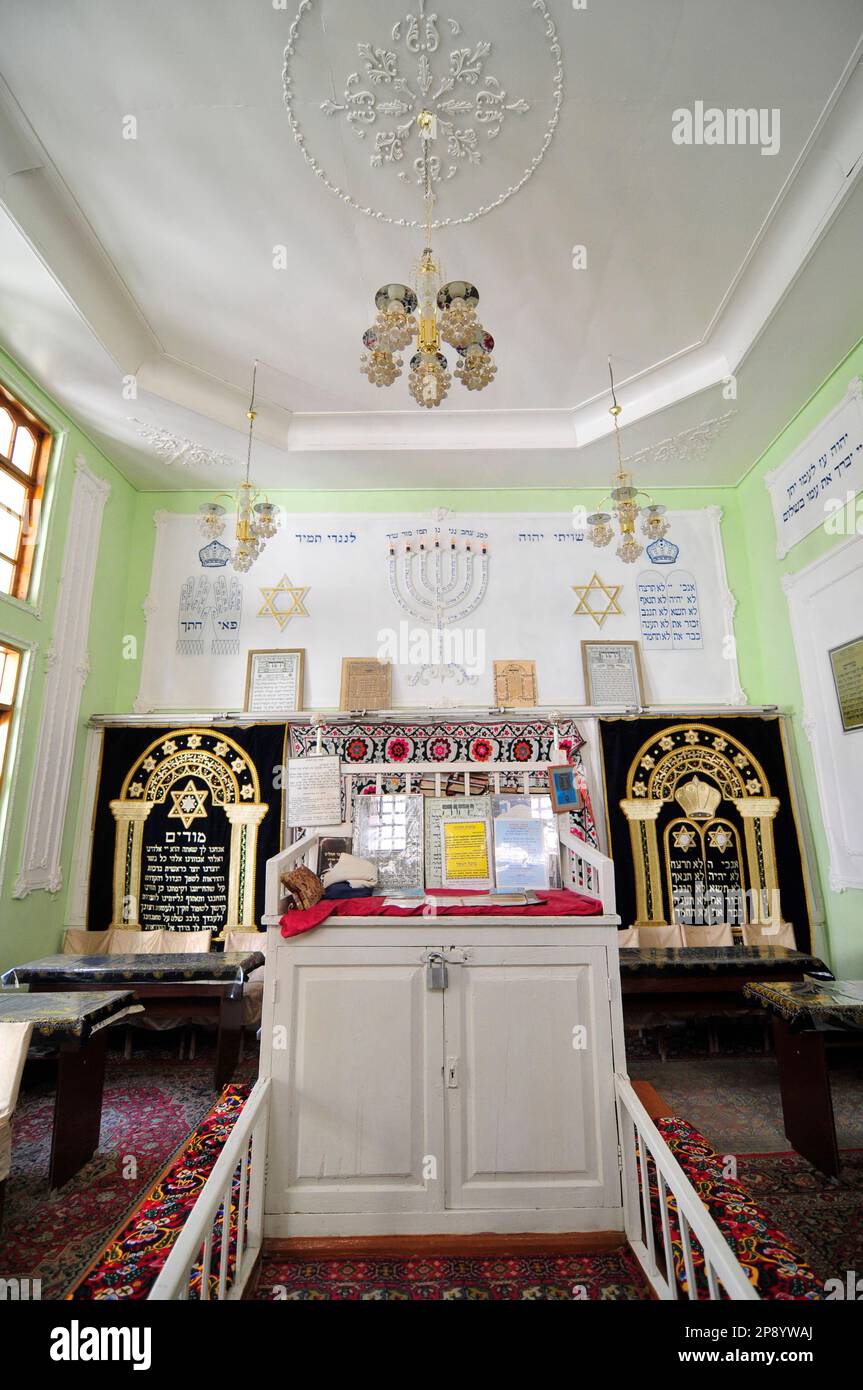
(619, 1159)
(276, 983)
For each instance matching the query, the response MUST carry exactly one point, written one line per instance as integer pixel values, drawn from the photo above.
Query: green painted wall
(766, 648)
(32, 926)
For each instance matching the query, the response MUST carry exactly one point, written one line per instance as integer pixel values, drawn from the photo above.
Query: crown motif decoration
(698, 799)
(663, 552)
(214, 555)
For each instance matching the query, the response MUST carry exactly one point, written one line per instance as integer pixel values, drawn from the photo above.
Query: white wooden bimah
(444, 1074)
(483, 1103)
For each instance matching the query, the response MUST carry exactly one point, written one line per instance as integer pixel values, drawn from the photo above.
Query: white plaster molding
(824, 607)
(68, 667)
(150, 608)
(13, 762)
(177, 448)
(728, 602)
(687, 446)
(79, 874)
(432, 47)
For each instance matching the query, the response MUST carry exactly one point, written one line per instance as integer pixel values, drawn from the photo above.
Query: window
(10, 663)
(25, 444)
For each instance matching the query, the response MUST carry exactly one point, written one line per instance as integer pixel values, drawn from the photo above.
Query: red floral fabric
(553, 902)
(774, 1266)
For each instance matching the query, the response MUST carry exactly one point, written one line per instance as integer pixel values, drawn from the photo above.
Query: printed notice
(314, 791)
(466, 853)
(847, 663)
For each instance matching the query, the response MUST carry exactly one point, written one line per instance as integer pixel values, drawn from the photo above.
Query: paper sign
(465, 853)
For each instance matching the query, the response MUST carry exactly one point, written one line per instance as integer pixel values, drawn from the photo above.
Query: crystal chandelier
(627, 508)
(429, 315)
(257, 516)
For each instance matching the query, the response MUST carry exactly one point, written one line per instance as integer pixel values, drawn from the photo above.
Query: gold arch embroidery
(160, 772)
(679, 754)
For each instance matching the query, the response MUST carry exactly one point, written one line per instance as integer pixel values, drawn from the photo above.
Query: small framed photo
(274, 681)
(563, 788)
(612, 673)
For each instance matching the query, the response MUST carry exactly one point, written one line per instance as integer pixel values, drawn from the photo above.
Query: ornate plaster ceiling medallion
(174, 448)
(688, 445)
(497, 104)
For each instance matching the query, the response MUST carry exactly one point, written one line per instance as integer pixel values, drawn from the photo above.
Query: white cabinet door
(530, 1097)
(357, 1116)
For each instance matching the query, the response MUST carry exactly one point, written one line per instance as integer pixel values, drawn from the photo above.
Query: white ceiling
(153, 257)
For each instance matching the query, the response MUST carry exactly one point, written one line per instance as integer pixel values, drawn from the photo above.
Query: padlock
(436, 973)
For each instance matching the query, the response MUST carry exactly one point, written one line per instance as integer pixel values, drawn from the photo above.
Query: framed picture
(515, 684)
(563, 788)
(846, 663)
(612, 673)
(274, 680)
(366, 683)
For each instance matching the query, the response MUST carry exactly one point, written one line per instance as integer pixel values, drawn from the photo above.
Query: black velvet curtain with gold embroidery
(625, 743)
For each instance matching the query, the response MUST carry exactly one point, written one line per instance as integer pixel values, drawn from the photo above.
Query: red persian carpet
(614, 1276)
(134, 1257)
(151, 1105)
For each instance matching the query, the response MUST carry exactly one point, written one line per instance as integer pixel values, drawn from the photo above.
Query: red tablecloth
(553, 902)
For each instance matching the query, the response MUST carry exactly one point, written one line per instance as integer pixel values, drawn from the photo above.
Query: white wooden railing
(584, 869)
(242, 1161)
(642, 1144)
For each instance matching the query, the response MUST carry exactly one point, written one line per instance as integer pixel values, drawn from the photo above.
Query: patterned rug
(823, 1218)
(151, 1104)
(772, 1261)
(615, 1276)
(135, 1256)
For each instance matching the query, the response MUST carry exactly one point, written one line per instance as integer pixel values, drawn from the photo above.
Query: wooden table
(193, 984)
(77, 1023)
(807, 1018)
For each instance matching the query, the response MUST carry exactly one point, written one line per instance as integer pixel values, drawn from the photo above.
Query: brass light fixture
(257, 516)
(430, 314)
(627, 507)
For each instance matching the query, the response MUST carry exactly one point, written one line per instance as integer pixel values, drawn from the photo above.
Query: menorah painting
(439, 582)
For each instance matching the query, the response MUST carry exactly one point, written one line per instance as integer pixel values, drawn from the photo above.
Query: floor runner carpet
(151, 1105)
(615, 1276)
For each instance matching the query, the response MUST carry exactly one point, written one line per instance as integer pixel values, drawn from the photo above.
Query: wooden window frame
(34, 485)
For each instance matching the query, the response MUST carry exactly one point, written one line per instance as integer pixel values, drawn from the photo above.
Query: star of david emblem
(189, 804)
(720, 839)
(683, 839)
(283, 616)
(596, 589)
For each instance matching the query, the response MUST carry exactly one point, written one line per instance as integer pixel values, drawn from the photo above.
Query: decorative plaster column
(757, 813)
(68, 667)
(642, 813)
(130, 817)
(244, 820)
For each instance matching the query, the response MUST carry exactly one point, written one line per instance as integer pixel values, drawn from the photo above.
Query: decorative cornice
(175, 448)
(688, 445)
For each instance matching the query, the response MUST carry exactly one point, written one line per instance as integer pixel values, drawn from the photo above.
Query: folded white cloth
(349, 868)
